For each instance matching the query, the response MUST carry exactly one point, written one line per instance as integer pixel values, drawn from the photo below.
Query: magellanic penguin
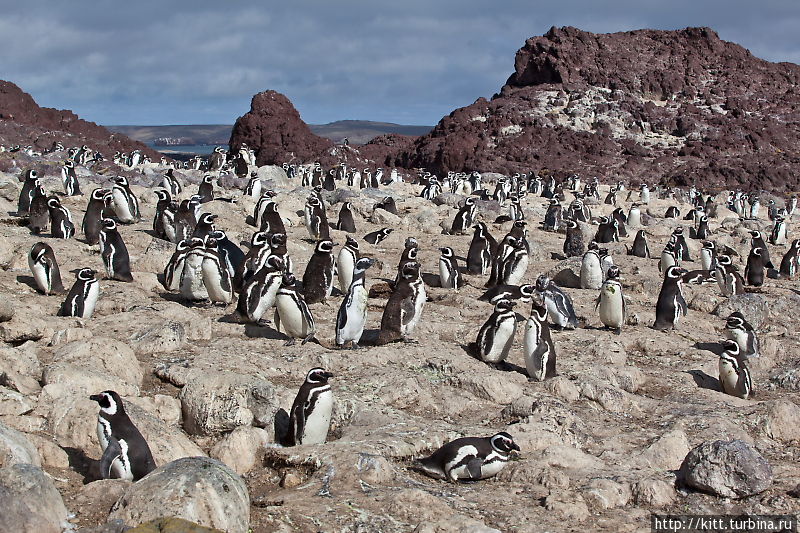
(754, 269)
(640, 247)
(560, 311)
(634, 216)
(734, 374)
(672, 212)
(185, 219)
(319, 273)
(253, 187)
(173, 271)
(497, 334)
(39, 211)
(469, 458)
(171, 183)
(757, 241)
(607, 231)
(126, 454)
(231, 254)
(742, 333)
(611, 303)
(449, 275)
(114, 252)
(729, 280)
(553, 216)
(259, 211)
(82, 297)
(669, 257)
(69, 179)
(481, 250)
(538, 346)
(404, 307)
(206, 190)
(591, 275)
(30, 179)
(708, 256)
(44, 267)
(514, 264)
(259, 292)
(779, 231)
(409, 255)
(573, 242)
(316, 220)
(464, 218)
(126, 205)
(352, 315)
(508, 292)
(204, 226)
(790, 263)
(61, 225)
(216, 278)
(619, 215)
(387, 204)
(375, 237)
(346, 222)
(346, 262)
(272, 219)
(670, 305)
(702, 231)
(94, 214)
(292, 316)
(163, 204)
(310, 417)
(191, 283)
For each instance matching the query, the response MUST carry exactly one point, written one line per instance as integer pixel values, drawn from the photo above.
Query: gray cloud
(185, 62)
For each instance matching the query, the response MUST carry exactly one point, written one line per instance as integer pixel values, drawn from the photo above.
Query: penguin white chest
(192, 286)
(518, 270)
(536, 352)
(214, 283)
(611, 306)
(290, 313)
(727, 376)
(268, 295)
(356, 317)
(121, 206)
(407, 327)
(501, 343)
(445, 275)
(591, 272)
(344, 267)
(318, 422)
(90, 301)
(39, 275)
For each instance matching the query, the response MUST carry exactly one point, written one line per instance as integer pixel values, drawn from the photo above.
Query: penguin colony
(208, 268)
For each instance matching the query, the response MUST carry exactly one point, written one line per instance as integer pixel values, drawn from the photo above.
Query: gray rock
(166, 336)
(15, 448)
(567, 273)
(732, 469)
(197, 489)
(274, 173)
(30, 501)
(754, 307)
(6, 310)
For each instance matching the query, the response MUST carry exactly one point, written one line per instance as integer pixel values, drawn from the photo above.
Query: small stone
(668, 451)
(654, 493)
(290, 480)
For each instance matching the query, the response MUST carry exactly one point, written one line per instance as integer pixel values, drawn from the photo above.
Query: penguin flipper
(110, 454)
(474, 468)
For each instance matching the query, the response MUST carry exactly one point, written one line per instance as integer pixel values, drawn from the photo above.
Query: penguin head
(708, 245)
(504, 443)
(197, 242)
(542, 282)
(592, 246)
(85, 274)
(364, 263)
(411, 242)
(288, 280)
(735, 321)
(446, 251)
(613, 272)
(755, 234)
(571, 224)
(318, 375)
(207, 218)
(31, 174)
(386, 231)
(724, 260)
(469, 202)
(347, 206)
(38, 251)
(258, 238)
(69, 164)
(351, 242)
(526, 291)
(730, 347)
(275, 262)
(110, 402)
(217, 234)
(208, 178)
(678, 231)
(109, 224)
(121, 181)
(324, 247)
(675, 272)
(504, 305)
(210, 243)
(53, 203)
(269, 193)
(276, 240)
(410, 271)
(182, 245)
(161, 194)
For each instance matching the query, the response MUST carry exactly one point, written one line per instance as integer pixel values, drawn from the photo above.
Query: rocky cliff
(676, 106)
(23, 121)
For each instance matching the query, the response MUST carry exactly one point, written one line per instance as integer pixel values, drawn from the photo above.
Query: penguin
(272, 219)
(730, 281)
(671, 304)
(791, 260)
(44, 267)
(292, 316)
(185, 219)
(621, 219)
(469, 458)
(319, 273)
(513, 267)
(126, 454)
(560, 311)
(672, 212)
(162, 204)
(708, 256)
(640, 247)
(61, 226)
(114, 252)
(70, 180)
(681, 247)
(791, 206)
(204, 226)
(553, 216)
(591, 276)
(266, 198)
(206, 190)
(94, 214)
(216, 278)
(310, 417)
(352, 315)
(573, 242)
(82, 297)
(702, 231)
(497, 334)
(508, 292)
(607, 231)
(742, 333)
(171, 184)
(611, 302)
(538, 346)
(346, 262)
(634, 216)
(757, 241)
(409, 255)
(779, 231)
(668, 257)
(126, 205)
(644, 194)
(375, 237)
(173, 271)
(346, 222)
(387, 204)
(734, 374)
(191, 280)
(481, 250)
(404, 307)
(611, 197)
(259, 292)
(30, 179)
(316, 219)
(754, 269)
(232, 256)
(464, 218)
(39, 211)
(254, 186)
(262, 246)
(449, 275)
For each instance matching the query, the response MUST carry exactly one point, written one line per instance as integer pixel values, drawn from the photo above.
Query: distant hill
(356, 131)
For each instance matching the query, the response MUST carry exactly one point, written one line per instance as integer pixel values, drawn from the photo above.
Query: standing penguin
(730, 281)
(449, 275)
(553, 216)
(481, 250)
(607, 231)
(464, 218)
(573, 242)
(670, 305)
(259, 292)
(82, 297)
(538, 346)
(346, 221)
(69, 179)
(39, 211)
(318, 277)
(44, 267)
(170, 183)
(94, 214)
(742, 333)
(702, 228)
(404, 307)
(375, 237)
(387, 204)
(316, 220)
(734, 374)
(126, 454)
(352, 315)
(640, 247)
(754, 269)
(185, 219)
(681, 247)
(232, 256)
(253, 188)
(560, 311)
(114, 252)
(790, 263)
(515, 263)
(469, 458)
(634, 216)
(611, 302)
(346, 262)
(292, 315)
(272, 219)
(191, 281)
(216, 278)
(30, 179)
(757, 241)
(266, 198)
(173, 271)
(591, 270)
(708, 256)
(61, 226)
(497, 333)
(204, 226)
(409, 255)
(779, 231)
(310, 417)
(668, 257)
(163, 204)
(126, 205)
(619, 215)
(206, 190)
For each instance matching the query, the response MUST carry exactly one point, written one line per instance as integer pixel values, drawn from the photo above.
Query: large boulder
(15, 448)
(197, 489)
(103, 355)
(732, 469)
(29, 501)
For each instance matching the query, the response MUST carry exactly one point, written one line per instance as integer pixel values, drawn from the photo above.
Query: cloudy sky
(411, 62)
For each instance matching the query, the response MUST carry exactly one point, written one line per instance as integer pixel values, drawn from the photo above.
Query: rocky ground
(601, 443)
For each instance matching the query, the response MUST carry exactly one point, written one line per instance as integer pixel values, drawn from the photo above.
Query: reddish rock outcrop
(274, 129)
(674, 106)
(23, 122)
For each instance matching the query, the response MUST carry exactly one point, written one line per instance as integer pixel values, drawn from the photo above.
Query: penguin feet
(263, 323)
(410, 341)
(310, 337)
(354, 346)
(290, 342)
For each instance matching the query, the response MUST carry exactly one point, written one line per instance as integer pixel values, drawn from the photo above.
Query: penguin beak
(515, 446)
(95, 397)
(328, 375)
